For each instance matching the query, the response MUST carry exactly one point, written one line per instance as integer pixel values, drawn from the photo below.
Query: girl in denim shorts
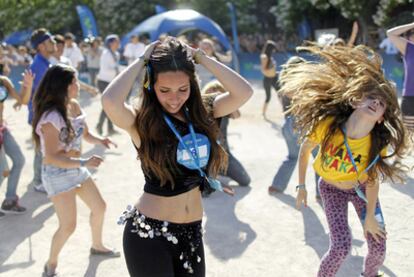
(58, 127)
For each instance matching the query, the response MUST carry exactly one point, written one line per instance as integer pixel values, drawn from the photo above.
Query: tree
(394, 12)
(55, 15)
(290, 13)
(217, 10)
(121, 16)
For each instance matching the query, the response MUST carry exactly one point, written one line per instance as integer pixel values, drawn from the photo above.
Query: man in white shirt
(134, 49)
(390, 48)
(72, 51)
(108, 69)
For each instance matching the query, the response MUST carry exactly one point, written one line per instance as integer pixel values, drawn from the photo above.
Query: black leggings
(268, 83)
(159, 257)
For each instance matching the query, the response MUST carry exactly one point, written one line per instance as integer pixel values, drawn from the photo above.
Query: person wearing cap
(44, 44)
(72, 51)
(108, 70)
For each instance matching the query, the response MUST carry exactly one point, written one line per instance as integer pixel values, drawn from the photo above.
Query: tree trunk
(363, 30)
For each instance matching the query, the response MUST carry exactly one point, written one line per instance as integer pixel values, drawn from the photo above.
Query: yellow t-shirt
(337, 165)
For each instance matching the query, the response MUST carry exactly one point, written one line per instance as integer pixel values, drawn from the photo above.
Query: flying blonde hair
(329, 87)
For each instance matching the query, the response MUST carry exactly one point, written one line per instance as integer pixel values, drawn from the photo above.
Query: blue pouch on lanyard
(193, 151)
(378, 213)
(203, 149)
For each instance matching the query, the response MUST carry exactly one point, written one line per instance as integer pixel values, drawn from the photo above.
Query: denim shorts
(57, 180)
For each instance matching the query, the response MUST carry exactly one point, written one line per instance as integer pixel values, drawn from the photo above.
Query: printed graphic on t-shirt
(64, 134)
(338, 159)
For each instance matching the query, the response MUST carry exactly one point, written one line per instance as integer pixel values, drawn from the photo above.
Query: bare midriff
(69, 154)
(269, 73)
(345, 185)
(183, 208)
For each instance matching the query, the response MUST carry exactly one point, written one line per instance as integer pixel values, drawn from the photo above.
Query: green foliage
(386, 15)
(54, 15)
(219, 12)
(121, 16)
(290, 12)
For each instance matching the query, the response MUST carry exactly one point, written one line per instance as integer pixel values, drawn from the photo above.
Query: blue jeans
(236, 171)
(283, 175)
(12, 149)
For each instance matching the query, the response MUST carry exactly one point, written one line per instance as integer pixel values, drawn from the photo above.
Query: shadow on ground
(316, 238)
(23, 227)
(226, 236)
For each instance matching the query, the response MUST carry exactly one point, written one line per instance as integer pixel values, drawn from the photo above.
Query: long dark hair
(267, 50)
(52, 95)
(172, 55)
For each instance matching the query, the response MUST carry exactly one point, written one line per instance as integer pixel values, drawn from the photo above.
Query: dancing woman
(345, 105)
(175, 135)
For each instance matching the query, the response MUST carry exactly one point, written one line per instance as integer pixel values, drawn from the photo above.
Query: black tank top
(184, 179)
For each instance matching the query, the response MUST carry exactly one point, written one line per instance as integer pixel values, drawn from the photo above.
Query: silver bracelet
(301, 186)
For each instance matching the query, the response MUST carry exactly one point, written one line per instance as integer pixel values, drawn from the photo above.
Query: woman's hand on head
(150, 48)
(190, 50)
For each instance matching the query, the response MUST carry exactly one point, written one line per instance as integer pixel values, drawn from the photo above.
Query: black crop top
(185, 179)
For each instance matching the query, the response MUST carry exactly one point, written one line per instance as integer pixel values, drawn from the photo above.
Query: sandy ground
(250, 234)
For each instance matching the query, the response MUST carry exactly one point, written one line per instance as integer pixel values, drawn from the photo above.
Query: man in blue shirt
(44, 44)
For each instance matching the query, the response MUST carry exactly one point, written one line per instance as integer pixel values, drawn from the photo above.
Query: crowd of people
(343, 107)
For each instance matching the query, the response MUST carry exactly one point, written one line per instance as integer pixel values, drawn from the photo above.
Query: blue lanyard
(195, 158)
(348, 149)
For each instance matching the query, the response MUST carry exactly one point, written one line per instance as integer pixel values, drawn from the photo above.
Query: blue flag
(87, 21)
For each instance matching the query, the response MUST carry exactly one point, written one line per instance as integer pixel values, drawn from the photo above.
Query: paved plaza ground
(250, 234)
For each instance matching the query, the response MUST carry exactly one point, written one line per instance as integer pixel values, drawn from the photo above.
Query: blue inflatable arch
(175, 21)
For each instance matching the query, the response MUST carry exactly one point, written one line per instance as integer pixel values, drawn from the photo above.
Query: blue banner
(87, 21)
(18, 38)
